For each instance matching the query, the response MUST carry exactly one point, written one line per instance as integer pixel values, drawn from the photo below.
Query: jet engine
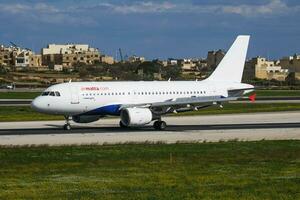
(85, 118)
(136, 116)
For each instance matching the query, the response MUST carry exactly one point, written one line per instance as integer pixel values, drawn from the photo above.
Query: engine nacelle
(136, 116)
(85, 118)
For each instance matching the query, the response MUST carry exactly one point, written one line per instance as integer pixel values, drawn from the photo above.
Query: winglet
(252, 97)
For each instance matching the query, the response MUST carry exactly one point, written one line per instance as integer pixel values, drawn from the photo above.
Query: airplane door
(74, 95)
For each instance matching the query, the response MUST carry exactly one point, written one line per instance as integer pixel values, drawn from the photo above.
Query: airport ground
(223, 170)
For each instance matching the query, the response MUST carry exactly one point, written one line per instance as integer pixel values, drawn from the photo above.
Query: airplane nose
(36, 104)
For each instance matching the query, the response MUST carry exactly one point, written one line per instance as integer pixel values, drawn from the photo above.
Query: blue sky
(154, 28)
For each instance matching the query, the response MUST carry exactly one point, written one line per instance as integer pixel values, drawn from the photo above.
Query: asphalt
(250, 127)
(55, 129)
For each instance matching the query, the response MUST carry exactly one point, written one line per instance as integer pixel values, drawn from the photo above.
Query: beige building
(134, 58)
(6, 55)
(292, 63)
(262, 68)
(107, 59)
(35, 60)
(69, 54)
(188, 65)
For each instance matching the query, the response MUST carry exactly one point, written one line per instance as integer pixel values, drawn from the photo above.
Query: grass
(25, 113)
(260, 93)
(231, 170)
(276, 93)
(19, 95)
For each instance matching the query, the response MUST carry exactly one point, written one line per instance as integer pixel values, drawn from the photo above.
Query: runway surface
(258, 126)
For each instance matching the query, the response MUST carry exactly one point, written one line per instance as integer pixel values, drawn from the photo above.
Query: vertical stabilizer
(232, 65)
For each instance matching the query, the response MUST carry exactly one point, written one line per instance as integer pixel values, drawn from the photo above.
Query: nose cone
(37, 104)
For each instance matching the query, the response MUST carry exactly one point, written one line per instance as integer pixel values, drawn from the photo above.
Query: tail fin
(232, 65)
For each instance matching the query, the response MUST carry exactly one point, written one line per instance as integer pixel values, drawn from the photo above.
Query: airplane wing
(182, 104)
(185, 104)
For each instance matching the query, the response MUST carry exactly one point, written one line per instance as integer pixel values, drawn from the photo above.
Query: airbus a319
(139, 103)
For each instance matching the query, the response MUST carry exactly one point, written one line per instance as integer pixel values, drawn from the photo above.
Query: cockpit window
(51, 93)
(45, 93)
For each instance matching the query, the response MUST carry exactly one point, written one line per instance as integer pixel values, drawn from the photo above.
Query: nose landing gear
(67, 125)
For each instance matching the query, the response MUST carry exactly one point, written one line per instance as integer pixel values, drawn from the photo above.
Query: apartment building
(262, 68)
(292, 63)
(6, 56)
(69, 54)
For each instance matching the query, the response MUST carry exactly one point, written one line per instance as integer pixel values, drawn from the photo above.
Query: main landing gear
(67, 125)
(160, 125)
(122, 125)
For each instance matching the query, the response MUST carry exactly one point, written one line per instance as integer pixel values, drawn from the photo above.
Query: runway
(250, 127)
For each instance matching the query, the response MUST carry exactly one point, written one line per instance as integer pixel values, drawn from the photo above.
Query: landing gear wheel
(67, 127)
(160, 125)
(122, 125)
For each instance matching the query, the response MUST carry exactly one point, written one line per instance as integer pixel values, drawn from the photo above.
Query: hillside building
(69, 54)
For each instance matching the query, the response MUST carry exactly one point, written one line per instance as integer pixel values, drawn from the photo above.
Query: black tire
(156, 125)
(67, 127)
(122, 125)
(160, 125)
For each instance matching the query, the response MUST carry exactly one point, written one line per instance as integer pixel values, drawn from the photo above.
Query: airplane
(139, 103)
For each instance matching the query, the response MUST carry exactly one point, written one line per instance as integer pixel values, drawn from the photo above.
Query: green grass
(276, 93)
(25, 113)
(19, 95)
(231, 170)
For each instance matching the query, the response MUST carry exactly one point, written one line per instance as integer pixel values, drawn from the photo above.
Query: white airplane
(140, 102)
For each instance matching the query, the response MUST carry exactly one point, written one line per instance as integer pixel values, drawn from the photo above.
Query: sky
(154, 28)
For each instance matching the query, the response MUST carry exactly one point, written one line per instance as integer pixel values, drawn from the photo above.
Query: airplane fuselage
(105, 98)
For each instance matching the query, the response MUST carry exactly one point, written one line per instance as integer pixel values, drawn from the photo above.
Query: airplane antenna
(70, 81)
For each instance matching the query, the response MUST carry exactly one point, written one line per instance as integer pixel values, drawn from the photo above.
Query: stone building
(262, 68)
(69, 54)
(214, 58)
(107, 59)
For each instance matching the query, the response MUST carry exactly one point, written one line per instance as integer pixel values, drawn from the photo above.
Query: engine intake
(136, 116)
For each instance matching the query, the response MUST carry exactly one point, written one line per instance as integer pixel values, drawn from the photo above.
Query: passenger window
(52, 94)
(57, 94)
